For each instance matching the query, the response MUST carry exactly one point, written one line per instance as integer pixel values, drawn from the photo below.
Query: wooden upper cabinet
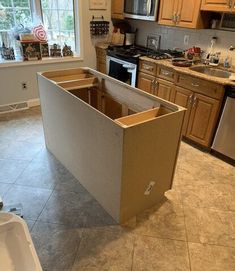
(117, 9)
(183, 13)
(188, 14)
(167, 12)
(204, 114)
(218, 5)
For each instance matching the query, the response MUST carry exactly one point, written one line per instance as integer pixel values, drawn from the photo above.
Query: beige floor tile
(214, 196)
(165, 220)
(210, 226)
(106, 249)
(152, 254)
(211, 258)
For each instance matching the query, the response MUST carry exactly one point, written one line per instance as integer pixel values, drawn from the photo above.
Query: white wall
(12, 77)
(174, 37)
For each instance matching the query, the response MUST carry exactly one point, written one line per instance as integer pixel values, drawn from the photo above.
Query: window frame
(36, 12)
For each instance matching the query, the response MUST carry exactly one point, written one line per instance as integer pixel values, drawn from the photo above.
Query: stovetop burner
(134, 52)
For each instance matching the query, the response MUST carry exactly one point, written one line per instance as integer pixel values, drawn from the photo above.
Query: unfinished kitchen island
(120, 143)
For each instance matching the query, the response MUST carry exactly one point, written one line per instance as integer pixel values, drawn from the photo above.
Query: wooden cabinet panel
(101, 66)
(164, 90)
(148, 67)
(183, 13)
(146, 82)
(204, 114)
(188, 14)
(206, 87)
(166, 73)
(217, 5)
(167, 12)
(184, 97)
(117, 7)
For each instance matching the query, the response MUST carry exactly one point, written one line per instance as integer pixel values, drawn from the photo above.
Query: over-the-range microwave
(141, 9)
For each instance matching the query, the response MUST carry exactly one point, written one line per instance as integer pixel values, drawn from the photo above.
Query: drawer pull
(148, 68)
(194, 101)
(190, 100)
(165, 73)
(195, 85)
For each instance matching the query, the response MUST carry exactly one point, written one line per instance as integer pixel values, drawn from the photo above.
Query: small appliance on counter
(130, 38)
(193, 54)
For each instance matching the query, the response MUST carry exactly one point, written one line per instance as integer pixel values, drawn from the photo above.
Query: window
(57, 16)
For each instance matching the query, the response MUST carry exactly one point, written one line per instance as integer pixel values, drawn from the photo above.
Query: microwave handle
(149, 5)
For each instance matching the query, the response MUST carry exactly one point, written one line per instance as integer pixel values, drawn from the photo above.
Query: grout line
(186, 232)
(133, 254)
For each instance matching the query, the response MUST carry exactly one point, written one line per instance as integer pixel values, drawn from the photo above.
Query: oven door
(122, 70)
(141, 9)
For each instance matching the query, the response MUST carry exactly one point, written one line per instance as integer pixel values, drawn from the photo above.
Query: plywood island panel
(118, 141)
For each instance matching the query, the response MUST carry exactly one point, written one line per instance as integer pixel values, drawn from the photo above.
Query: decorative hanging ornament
(40, 33)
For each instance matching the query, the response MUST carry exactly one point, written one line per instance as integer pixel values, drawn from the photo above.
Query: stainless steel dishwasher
(224, 141)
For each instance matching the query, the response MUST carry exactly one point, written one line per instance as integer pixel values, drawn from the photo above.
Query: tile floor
(193, 229)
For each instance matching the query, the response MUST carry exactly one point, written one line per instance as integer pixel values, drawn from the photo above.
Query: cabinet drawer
(166, 73)
(205, 87)
(100, 52)
(148, 67)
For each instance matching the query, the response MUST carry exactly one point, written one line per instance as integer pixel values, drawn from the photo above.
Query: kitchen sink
(211, 71)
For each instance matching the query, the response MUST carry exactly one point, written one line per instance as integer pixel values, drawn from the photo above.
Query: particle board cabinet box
(118, 141)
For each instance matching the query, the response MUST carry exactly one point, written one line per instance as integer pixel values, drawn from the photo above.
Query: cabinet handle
(148, 68)
(174, 17)
(194, 101)
(165, 72)
(178, 18)
(229, 2)
(190, 100)
(195, 85)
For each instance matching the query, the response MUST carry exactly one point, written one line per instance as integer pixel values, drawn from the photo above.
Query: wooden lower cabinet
(146, 82)
(164, 90)
(101, 66)
(184, 97)
(203, 118)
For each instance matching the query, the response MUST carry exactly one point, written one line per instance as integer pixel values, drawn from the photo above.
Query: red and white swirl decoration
(40, 33)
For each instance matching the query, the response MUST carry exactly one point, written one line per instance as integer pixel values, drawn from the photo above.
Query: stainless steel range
(122, 61)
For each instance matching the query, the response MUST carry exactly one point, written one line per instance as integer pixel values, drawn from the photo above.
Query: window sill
(44, 61)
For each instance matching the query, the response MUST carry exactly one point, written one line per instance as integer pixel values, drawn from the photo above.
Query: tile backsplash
(174, 37)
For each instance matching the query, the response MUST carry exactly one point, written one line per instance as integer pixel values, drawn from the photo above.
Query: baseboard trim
(33, 102)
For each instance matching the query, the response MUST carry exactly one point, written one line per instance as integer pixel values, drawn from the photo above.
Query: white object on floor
(17, 252)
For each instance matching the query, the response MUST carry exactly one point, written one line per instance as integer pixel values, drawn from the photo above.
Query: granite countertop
(188, 71)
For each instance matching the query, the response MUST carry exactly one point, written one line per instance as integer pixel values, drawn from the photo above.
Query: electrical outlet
(149, 188)
(24, 85)
(186, 39)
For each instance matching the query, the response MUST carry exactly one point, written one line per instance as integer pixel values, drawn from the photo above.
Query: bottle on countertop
(228, 62)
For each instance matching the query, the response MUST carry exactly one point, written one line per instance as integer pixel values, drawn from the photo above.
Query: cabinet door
(117, 9)
(101, 66)
(184, 98)
(188, 13)
(217, 5)
(146, 82)
(203, 118)
(167, 12)
(165, 90)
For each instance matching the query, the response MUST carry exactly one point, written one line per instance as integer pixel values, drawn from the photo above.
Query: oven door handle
(129, 67)
(149, 5)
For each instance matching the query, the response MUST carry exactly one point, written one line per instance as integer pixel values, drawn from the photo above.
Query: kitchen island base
(118, 141)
